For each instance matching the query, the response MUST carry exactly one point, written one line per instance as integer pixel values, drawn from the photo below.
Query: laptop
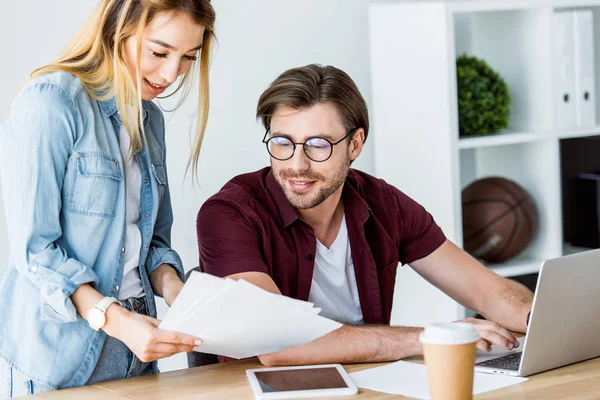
(564, 325)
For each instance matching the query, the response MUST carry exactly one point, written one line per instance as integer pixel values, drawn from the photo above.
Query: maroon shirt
(249, 225)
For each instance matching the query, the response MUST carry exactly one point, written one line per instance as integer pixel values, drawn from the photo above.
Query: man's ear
(357, 141)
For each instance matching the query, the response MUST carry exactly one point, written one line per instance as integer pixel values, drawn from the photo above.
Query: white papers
(410, 379)
(237, 319)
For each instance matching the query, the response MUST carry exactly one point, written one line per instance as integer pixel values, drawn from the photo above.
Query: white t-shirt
(131, 286)
(333, 286)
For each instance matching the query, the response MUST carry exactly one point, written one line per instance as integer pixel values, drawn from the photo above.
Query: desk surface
(228, 381)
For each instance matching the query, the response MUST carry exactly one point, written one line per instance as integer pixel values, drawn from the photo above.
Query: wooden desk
(228, 381)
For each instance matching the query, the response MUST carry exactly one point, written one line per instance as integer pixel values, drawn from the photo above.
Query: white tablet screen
(300, 379)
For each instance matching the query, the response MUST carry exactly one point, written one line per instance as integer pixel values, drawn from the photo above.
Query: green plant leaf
(483, 98)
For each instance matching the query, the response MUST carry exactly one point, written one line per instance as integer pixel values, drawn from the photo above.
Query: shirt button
(145, 180)
(145, 246)
(116, 289)
(310, 257)
(34, 269)
(146, 215)
(123, 250)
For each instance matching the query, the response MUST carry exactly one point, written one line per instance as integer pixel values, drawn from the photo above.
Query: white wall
(258, 40)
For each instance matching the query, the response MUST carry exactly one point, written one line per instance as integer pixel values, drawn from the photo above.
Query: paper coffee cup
(449, 351)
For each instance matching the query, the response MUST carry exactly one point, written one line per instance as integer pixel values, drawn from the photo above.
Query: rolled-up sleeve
(421, 235)
(36, 143)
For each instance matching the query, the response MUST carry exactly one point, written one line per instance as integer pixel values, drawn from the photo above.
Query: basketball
(499, 219)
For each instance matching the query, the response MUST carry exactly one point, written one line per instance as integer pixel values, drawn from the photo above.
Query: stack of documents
(238, 319)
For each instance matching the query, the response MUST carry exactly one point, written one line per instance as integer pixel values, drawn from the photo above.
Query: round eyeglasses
(317, 149)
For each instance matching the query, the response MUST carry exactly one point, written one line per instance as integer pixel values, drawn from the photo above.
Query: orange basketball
(499, 219)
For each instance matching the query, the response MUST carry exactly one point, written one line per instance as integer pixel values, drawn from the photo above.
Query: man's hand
(141, 335)
(492, 333)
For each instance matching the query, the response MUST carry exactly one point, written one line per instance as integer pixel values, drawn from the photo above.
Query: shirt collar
(353, 201)
(109, 108)
(287, 212)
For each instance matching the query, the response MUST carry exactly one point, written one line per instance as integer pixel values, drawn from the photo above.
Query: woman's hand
(141, 335)
(171, 291)
(166, 283)
(492, 333)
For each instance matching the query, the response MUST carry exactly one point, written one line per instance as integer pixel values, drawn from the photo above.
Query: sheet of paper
(239, 326)
(197, 291)
(227, 288)
(410, 379)
(305, 305)
(238, 319)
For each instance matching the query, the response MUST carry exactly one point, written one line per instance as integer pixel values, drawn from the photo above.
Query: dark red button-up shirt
(249, 225)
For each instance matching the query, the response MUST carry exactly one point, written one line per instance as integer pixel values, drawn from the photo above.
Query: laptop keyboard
(510, 361)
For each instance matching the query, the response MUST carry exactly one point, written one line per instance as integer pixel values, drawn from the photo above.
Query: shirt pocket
(95, 186)
(14, 383)
(160, 176)
(5, 380)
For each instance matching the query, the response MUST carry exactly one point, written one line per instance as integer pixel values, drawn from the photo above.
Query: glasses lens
(280, 147)
(318, 149)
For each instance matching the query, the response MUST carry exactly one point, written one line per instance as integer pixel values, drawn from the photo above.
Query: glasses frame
(331, 144)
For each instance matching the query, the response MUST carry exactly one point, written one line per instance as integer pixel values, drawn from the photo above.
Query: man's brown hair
(313, 84)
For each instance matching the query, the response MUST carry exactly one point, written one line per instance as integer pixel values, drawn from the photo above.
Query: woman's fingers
(161, 336)
(167, 350)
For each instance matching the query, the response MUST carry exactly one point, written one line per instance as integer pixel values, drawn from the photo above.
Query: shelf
(414, 76)
(527, 265)
(501, 139)
(462, 6)
(569, 249)
(505, 138)
(581, 132)
(516, 267)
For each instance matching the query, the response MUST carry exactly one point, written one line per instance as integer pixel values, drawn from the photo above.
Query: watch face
(96, 318)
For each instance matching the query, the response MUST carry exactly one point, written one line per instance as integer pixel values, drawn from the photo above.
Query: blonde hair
(96, 57)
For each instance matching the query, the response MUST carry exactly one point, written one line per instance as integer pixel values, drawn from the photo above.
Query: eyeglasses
(317, 149)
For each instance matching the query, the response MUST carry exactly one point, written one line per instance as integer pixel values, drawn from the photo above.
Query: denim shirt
(64, 197)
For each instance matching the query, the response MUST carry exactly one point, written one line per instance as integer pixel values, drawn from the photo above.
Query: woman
(87, 199)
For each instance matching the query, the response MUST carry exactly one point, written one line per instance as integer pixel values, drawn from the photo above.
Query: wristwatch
(96, 315)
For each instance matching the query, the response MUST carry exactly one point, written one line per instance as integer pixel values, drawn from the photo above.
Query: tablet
(303, 381)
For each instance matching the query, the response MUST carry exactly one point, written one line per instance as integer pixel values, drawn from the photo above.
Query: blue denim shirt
(64, 197)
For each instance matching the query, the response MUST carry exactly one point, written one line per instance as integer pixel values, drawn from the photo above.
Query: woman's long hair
(96, 57)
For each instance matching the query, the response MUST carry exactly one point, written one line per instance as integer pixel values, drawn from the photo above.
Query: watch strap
(103, 304)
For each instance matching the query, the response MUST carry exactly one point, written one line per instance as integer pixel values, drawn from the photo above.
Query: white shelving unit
(414, 46)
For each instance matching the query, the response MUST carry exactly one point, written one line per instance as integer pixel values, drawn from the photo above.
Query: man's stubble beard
(303, 201)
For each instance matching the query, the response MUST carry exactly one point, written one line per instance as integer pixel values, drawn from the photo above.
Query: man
(312, 228)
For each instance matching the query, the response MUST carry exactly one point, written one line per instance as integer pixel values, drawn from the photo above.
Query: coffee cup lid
(449, 334)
